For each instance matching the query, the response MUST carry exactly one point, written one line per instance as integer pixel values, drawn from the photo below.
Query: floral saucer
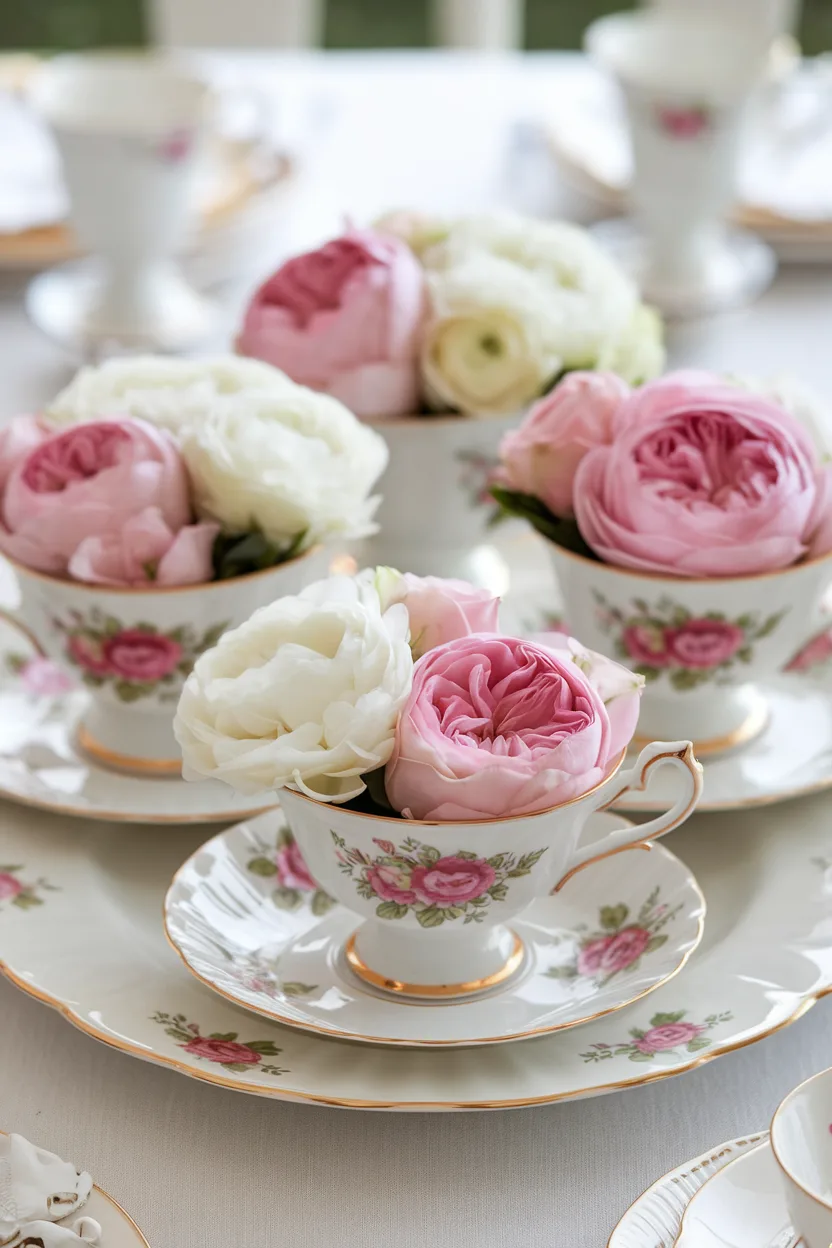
(660, 1215)
(41, 763)
(249, 921)
(743, 1204)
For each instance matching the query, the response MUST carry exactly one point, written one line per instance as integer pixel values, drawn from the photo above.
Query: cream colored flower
(306, 693)
(636, 355)
(284, 463)
(163, 391)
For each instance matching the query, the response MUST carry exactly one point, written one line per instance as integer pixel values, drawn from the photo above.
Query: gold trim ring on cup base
(750, 728)
(359, 966)
(129, 763)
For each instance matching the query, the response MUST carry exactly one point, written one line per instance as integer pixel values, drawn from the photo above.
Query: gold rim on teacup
(467, 988)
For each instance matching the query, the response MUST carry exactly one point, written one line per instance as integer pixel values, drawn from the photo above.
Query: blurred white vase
(128, 129)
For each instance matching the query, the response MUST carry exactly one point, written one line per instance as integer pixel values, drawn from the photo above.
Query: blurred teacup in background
(128, 128)
(801, 1141)
(687, 77)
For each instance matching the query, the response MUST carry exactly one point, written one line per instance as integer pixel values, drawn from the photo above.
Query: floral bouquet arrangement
(694, 475)
(477, 316)
(154, 472)
(397, 694)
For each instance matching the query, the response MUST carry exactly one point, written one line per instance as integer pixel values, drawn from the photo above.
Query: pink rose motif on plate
(452, 880)
(45, 679)
(292, 871)
(9, 886)
(683, 123)
(222, 1048)
(666, 1034)
(175, 146)
(412, 878)
(295, 885)
(142, 657)
(621, 941)
(815, 652)
(690, 650)
(134, 662)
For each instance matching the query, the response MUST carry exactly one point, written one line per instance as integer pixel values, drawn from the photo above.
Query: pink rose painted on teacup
(105, 501)
(87, 652)
(225, 1051)
(609, 954)
(646, 644)
(703, 479)
(292, 871)
(452, 880)
(683, 123)
(815, 652)
(391, 883)
(494, 725)
(345, 319)
(704, 643)
(9, 886)
(541, 457)
(668, 1036)
(142, 657)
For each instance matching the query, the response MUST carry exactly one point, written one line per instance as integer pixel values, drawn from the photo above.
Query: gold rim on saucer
(126, 762)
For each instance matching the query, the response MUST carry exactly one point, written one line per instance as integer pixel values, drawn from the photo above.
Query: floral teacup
(703, 645)
(436, 898)
(801, 1141)
(133, 648)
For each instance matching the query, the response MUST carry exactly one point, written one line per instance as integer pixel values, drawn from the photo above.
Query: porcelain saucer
(743, 1205)
(669, 1212)
(792, 756)
(248, 921)
(42, 765)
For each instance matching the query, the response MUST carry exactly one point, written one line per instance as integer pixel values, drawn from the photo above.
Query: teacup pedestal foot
(398, 964)
(130, 740)
(716, 722)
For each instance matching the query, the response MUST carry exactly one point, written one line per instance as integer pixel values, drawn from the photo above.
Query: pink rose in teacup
(106, 501)
(542, 456)
(494, 725)
(441, 609)
(702, 479)
(345, 319)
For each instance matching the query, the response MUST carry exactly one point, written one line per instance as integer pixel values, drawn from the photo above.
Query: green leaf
(468, 855)
(293, 989)
(717, 616)
(11, 870)
(287, 898)
(744, 654)
(613, 917)
(699, 1042)
(638, 1056)
(683, 678)
(516, 872)
(25, 901)
(241, 553)
(94, 682)
(125, 691)
(394, 910)
(212, 635)
(431, 916)
(641, 606)
(649, 673)
(498, 891)
(496, 861)
(659, 1020)
(16, 663)
(143, 626)
(429, 855)
(637, 1033)
(679, 616)
(266, 1048)
(770, 624)
(222, 1035)
(321, 903)
(482, 900)
(655, 942)
(113, 626)
(563, 533)
(262, 866)
(745, 621)
(236, 1066)
(561, 972)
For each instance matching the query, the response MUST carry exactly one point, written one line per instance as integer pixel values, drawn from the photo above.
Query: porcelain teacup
(703, 645)
(801, 1141)
(133, 648)
(436, 899)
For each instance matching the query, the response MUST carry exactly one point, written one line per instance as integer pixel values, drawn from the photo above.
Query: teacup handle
(678, 754)
(14, 621)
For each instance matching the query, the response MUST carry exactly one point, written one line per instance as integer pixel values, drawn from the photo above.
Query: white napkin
(47, 1235)
(36, 1186)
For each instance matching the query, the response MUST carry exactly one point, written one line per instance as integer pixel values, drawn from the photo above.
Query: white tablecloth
(204, 1168)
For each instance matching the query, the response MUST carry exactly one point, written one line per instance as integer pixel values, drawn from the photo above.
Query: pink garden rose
(345, 319)
(142, 657)
(496, 726)
(702, 479)
(619, 689)
(225, 1051)
(292, 871)
(17, 439)
(704, 643)
(647, 644)
(9, 886)
(443, 609)
(668, 1036)
(104, 501)
(391, 884)
(452, 881)
(542, 456)
(609, 954)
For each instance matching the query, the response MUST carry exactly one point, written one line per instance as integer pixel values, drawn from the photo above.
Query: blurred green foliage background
(54, 24)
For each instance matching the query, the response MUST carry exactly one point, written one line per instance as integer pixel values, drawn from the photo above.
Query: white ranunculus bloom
(163, 391)
(491, 343)
(637, 354)
(306, 693)
(589, 296)
(289, 462)
(800, 401)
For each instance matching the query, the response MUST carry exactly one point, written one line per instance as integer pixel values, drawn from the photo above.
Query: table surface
(200, 1167)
